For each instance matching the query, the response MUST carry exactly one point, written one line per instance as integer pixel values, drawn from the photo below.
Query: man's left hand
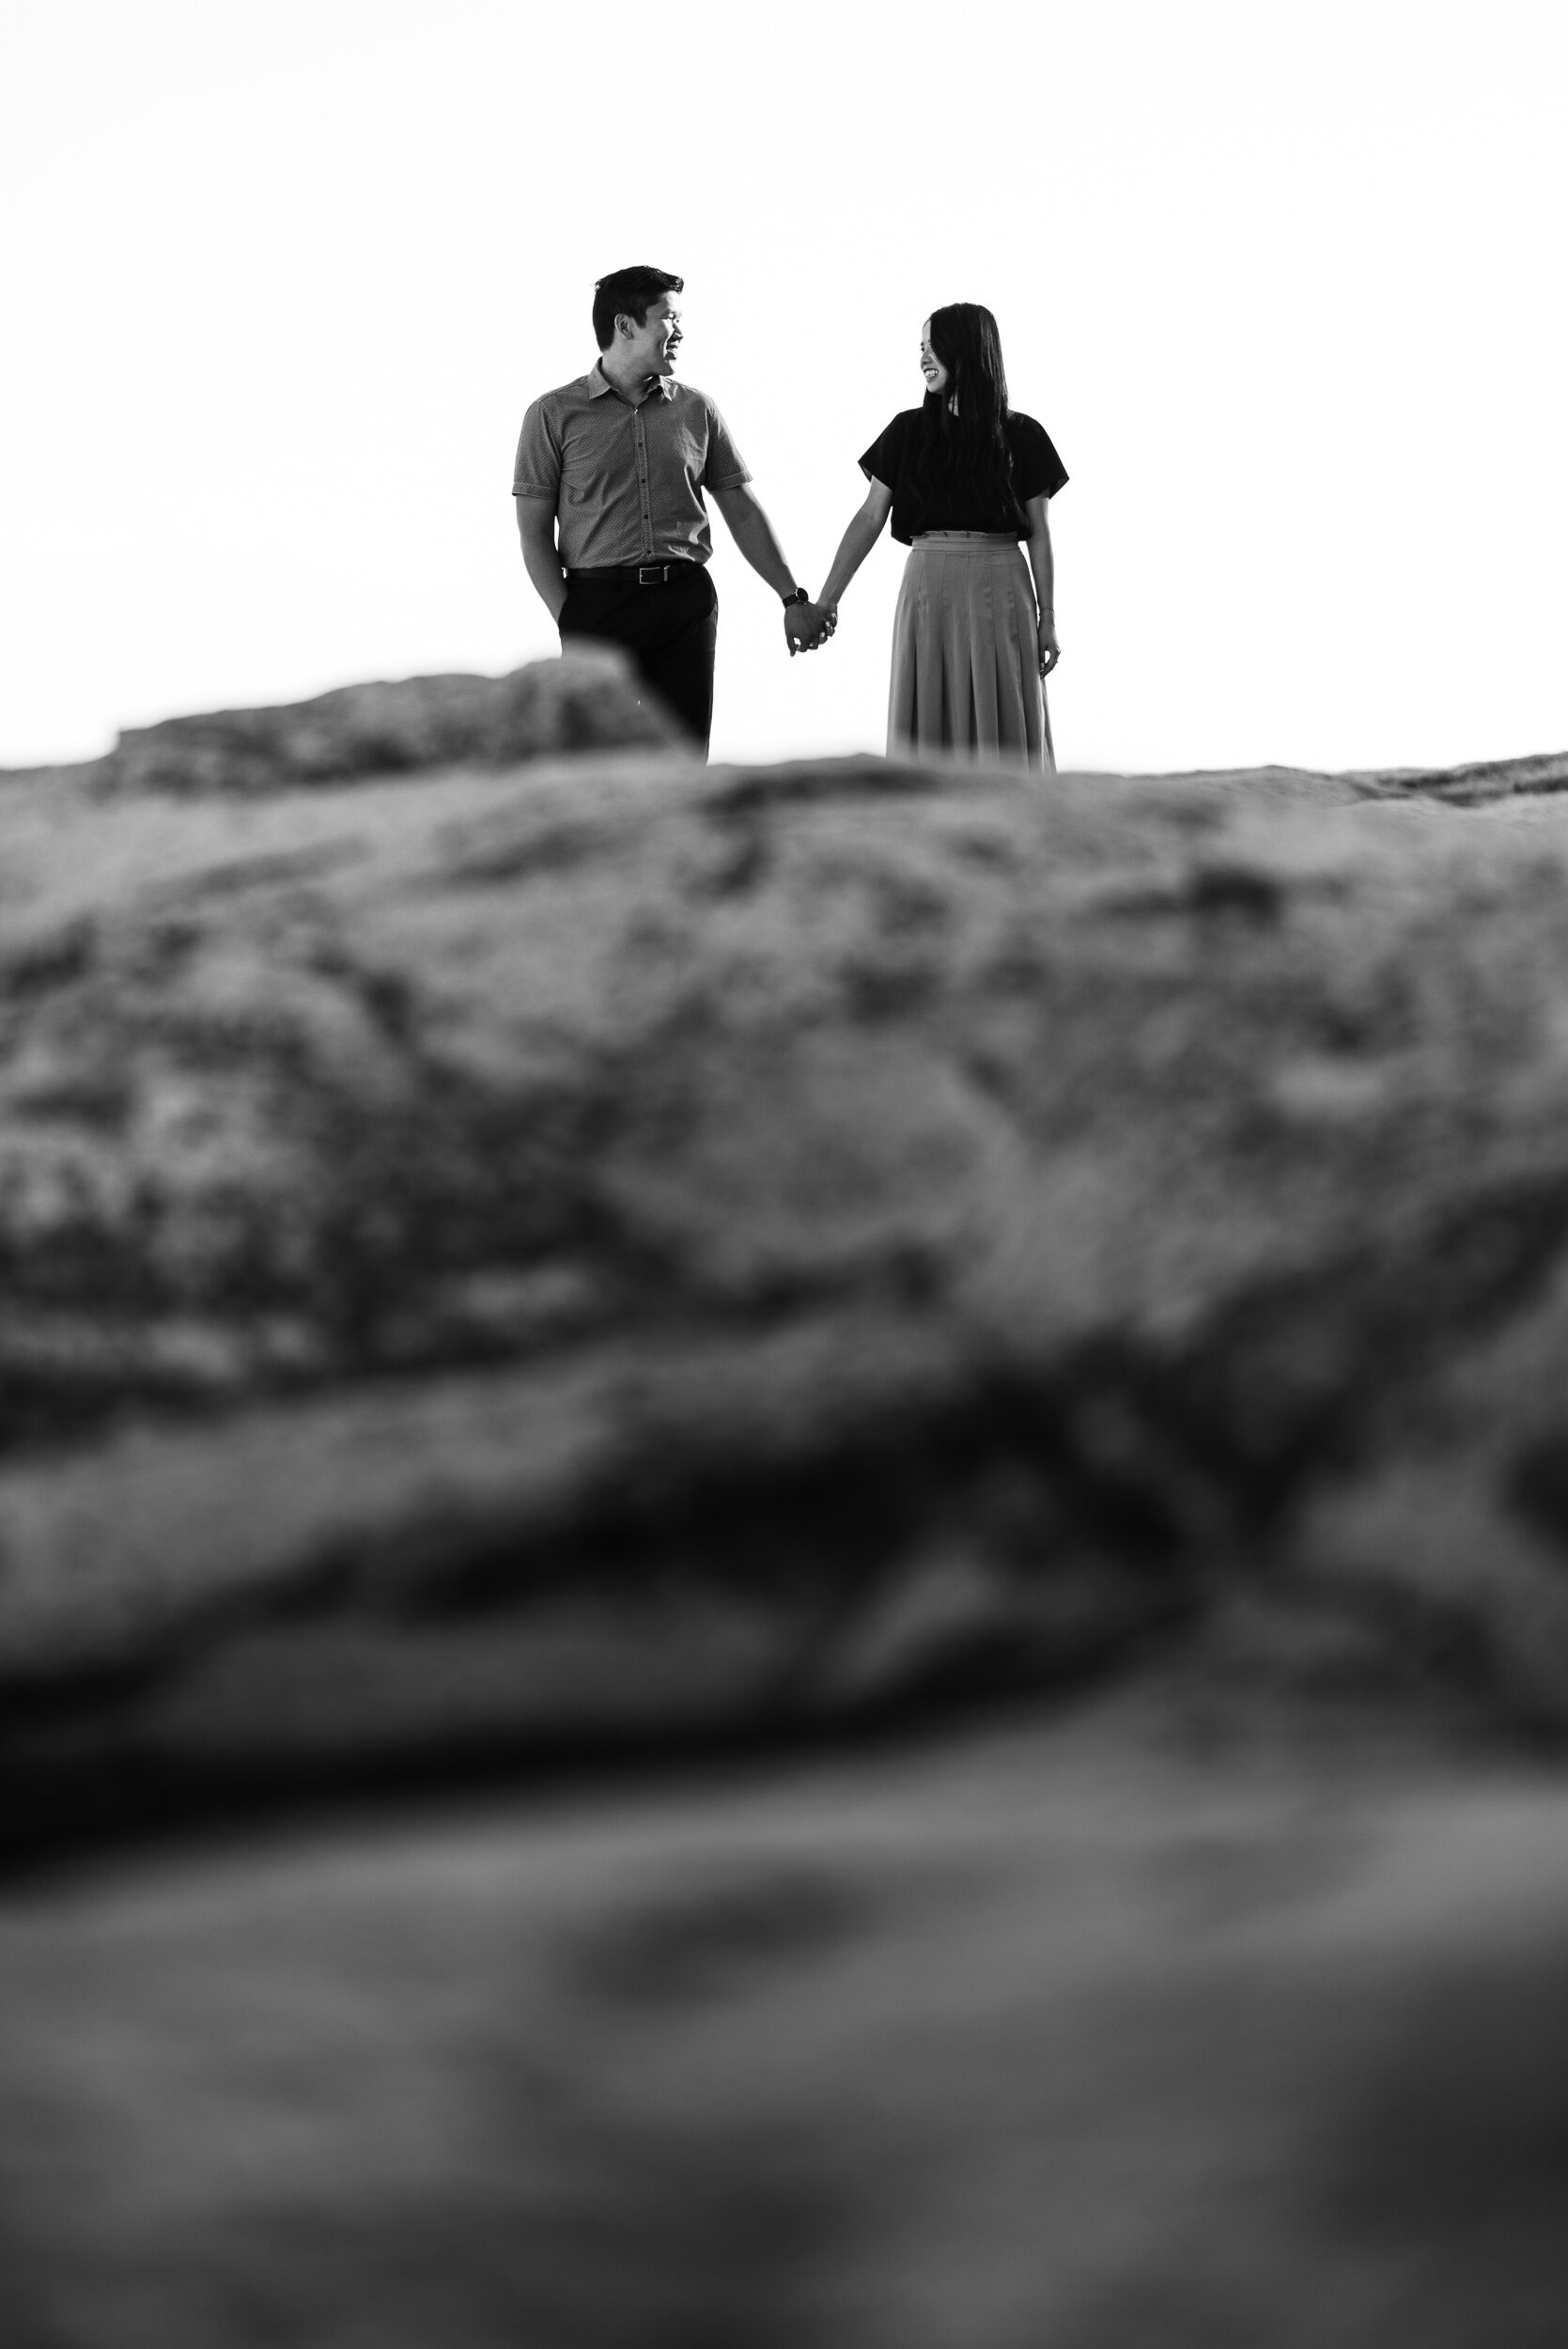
(806, 626)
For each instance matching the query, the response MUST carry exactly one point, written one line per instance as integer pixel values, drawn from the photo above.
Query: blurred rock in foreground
(506, 1265)
(588, 700)
(1067, 2035)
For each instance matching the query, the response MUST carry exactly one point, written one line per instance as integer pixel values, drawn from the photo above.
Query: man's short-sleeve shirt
(626, 482)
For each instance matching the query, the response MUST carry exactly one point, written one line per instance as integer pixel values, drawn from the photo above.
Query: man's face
(651, 348)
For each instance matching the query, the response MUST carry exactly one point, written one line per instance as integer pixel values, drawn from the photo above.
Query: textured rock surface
(1487, 780)
(505, 1266)
(1070, 2036)
(586, 701)
(627, 1249)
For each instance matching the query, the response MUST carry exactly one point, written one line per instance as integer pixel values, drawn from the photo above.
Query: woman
(965, 478)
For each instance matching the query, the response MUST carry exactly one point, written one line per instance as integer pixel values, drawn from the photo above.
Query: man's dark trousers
(668, 625)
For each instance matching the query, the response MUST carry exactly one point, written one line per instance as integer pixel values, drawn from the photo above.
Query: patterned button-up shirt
(626, 482)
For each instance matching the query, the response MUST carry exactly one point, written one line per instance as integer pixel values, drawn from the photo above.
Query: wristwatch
(798, 597)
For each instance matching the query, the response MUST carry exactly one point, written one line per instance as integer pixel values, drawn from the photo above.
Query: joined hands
(807, 626)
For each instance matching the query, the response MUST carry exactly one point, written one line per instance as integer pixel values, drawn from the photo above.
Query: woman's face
(930, 366)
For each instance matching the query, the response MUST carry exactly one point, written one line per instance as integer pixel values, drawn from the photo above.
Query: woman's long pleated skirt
(966, 663)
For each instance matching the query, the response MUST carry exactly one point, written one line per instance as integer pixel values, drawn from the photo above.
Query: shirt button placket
(643, 484)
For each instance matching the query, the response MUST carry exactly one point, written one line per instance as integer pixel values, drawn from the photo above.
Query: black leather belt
(637, 574)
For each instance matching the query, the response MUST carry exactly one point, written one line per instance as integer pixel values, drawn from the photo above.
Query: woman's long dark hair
(964, 431)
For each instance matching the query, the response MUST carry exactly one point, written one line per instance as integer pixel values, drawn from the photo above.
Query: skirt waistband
(965, 541)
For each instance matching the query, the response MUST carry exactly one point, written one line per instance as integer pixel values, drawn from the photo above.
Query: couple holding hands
(610, 479)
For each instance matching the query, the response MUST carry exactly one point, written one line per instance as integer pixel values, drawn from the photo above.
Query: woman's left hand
(1051, 651)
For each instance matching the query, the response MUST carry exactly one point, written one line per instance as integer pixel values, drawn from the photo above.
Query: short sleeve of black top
(1037, 471)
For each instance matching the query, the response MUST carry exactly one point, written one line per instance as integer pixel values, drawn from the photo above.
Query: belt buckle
(651, 574)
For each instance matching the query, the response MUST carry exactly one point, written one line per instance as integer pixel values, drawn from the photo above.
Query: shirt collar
(598, 383)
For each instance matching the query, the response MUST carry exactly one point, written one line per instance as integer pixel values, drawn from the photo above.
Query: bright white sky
(1285, 283)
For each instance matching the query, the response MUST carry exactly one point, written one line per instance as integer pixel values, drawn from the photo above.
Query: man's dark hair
(627, 293)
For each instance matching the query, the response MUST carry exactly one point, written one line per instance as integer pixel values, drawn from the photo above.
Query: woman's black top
(919, 500)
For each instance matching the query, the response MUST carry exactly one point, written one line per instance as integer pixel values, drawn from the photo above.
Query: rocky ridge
(498, 1258)
(515, 1247)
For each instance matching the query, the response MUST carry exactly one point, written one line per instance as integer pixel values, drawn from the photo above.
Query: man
(619, 461)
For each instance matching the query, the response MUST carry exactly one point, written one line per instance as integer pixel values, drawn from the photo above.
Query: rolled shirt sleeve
(537, 472)
(723, 466)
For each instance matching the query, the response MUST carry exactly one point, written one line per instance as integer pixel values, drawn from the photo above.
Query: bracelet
(799, 596)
